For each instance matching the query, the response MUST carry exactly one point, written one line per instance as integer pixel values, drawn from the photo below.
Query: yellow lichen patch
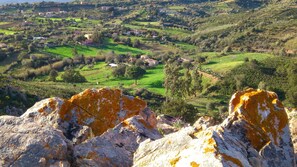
(128, 125)
(210, 146)
(194, 164)
(174, 161)
(51, 104)
(232, 159)
(99, 109)
(264, 112)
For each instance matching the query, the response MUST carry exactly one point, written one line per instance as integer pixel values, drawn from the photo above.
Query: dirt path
(212, 77)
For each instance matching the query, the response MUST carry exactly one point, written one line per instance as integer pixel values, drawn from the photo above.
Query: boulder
(94, 128)
(292, 113)
(167, 124)
(204, 122)
(25, 143)
(97, 109)
(116, 146)
(256, 133)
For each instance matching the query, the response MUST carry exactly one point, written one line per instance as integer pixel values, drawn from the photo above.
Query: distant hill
(30, 1)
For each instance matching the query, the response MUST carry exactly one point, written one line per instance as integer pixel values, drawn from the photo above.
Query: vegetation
(184, 57)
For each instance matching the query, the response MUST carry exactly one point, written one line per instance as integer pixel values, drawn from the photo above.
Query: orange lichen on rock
(174, 161)
(100, 109)
(231, 159)
(264, 112)
(210, 146)
(51, 104)
(194, 164)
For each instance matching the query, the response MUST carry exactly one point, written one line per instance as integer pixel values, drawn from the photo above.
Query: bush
(72, 76)
(119, 71)
(179, 108)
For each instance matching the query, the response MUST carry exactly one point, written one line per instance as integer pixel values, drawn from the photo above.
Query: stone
(116, 146)
(25, 143)
(167, 124)
(292, 113)
(98, 109)
(256, 133)
(204, 122)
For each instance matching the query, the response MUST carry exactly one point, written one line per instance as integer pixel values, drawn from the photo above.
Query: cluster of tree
(72, 76)
(132, 72)
(276, 74)
(182, 80)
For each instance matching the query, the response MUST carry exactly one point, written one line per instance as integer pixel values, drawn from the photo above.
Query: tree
(119, 71)
(72, 76)
(136, 43)
(197, 82)
(53, 75)
(30, 48)
(172, 79)
(97, 37)
(74, 52)
(134, 72)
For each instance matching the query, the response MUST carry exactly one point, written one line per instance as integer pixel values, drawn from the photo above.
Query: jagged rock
(25, 143)
(116, 146)
(256, 133)
(104, 126)
(292, 113)
(98, 109)
(167, 124)
(204, 122)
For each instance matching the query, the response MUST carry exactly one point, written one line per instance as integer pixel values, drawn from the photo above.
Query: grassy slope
(223, 64)
(108, 46)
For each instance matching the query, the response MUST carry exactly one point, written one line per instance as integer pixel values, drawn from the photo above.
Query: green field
(7, 32)
(101, 76)
(175, 32)
(108, 46)
(4, 23)
(223, 64)
(60, 19)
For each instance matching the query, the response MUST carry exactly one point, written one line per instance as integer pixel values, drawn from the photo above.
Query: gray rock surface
(26, 143)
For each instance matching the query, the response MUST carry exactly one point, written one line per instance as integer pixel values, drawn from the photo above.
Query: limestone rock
(25, 143)
(256, 133)
(116, 146)
(293, 128)
(98, 109)
(204, 122)
(167, 124)
(94, 128)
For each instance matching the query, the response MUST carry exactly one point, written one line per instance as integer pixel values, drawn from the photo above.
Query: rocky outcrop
(106, 128)
(97, 109)
(116, 146)
(93, 128)
(256, 133)
(167, 124)
(26, 143)
(292, 113)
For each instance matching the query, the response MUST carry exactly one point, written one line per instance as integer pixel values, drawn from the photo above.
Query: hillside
(30, 1)
(52, 49)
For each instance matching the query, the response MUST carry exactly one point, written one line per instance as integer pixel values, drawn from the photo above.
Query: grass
(143, 23)
(223, 64)
(102, 75)
(60, 19)
(174, 32)
(176, 7)
(4, 23)
(7, 32)
(108, 46)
